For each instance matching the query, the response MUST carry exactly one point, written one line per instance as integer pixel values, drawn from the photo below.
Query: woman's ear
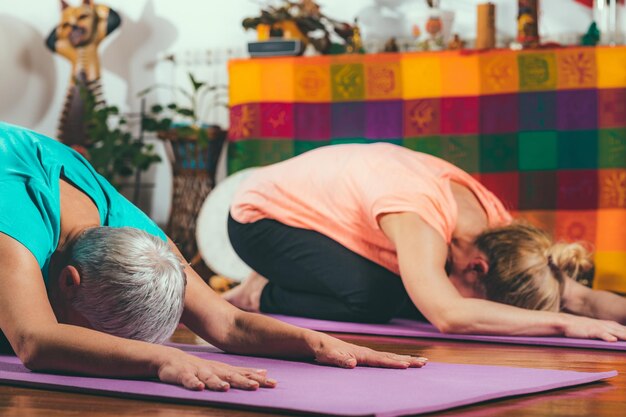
(69, 281)
(480, 266)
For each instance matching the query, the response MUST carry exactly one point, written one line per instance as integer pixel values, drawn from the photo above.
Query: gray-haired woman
(86, 280)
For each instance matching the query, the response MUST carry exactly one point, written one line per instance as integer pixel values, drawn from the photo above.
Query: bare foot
(247, 295)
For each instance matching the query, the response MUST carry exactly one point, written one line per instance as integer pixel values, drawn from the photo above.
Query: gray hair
(132, 284)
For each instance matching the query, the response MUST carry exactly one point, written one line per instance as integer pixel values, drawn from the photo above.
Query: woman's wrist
(314, 342)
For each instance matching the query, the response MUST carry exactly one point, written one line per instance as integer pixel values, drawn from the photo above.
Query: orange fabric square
(312, 80)
(383, 80)
(460, 75)
(499, 72)
(612, 188)
(576, 68)
(277, 80)
(576, 226)
(611, 230)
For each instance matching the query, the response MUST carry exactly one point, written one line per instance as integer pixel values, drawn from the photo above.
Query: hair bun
(571, 258)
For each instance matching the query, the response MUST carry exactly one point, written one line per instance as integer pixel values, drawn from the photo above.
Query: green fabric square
(347, 82)
(341, 141)
(300, 147)
(432, 145)
(538, 150)
(537, 71)
(498, 153)
(612, 148)
(578, 149)
(249, 153)
(463, 151)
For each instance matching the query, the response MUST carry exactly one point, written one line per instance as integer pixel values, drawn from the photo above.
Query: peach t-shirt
(342, 190)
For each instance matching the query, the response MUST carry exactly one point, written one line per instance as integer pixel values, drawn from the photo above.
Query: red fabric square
(277, 120)
(505, 185)
(460, 115)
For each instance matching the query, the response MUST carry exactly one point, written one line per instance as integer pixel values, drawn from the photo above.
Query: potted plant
(174, 121)
(194, 148)
(110, 147)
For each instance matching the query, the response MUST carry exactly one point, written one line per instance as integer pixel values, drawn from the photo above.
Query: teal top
(30, 209)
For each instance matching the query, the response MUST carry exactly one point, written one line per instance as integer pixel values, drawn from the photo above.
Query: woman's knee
(377, 304)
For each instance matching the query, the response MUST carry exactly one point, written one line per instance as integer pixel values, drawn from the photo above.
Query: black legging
(311, 275)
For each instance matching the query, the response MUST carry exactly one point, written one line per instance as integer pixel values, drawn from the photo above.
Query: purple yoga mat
(312, 388)
(412, 328)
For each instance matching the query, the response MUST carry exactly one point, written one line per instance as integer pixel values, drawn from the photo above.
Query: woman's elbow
(29, 349)
(452, 324)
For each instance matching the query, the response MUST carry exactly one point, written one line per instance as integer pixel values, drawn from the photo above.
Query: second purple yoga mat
(311, 388)
(411, 328)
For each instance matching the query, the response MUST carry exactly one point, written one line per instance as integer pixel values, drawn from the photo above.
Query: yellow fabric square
(611, 230)
(610, 271)
(244, 83)
(460, 75)
(383, 79)
(277, 80)
(576, 68)
(421, 75)
(611, 62)
(312, 80)
(499, 72)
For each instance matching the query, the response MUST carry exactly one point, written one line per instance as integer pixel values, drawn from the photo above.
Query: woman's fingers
(213, 382)
(414, 361)
(190, 381)
(390, 360)
(260, 376)
(237, 380)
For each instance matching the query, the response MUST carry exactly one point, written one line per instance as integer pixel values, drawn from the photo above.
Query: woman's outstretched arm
(236, 331)
(422, 254)
(43, 344)
(584, 301)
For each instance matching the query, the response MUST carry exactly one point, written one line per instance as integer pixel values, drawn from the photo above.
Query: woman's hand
(332, 351)
(588, 328)
(197, 374)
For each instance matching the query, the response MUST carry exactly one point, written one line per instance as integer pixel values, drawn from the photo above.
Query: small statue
(434, 28)
(456, 43)
(355, 41)
(391, 45)
(592, 37)
(77, 38)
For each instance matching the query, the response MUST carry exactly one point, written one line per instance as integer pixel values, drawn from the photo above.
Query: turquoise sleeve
(29, 224)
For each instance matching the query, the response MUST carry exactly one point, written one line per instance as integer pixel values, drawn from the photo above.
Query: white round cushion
(212, 233)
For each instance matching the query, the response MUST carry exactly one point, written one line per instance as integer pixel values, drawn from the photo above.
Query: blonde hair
(527, 269)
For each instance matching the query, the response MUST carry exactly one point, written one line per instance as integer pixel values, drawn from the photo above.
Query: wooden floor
(596, 400)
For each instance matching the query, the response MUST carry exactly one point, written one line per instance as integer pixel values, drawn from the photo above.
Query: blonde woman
(367, 232)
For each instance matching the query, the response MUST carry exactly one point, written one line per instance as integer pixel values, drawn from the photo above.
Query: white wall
(33, 80)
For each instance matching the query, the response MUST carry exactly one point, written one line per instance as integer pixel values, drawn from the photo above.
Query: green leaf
(196, 84)
(185, 111)
(157, 108)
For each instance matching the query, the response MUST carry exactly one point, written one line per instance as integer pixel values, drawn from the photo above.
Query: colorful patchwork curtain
(544, 130)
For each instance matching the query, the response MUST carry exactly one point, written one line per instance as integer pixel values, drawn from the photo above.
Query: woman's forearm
(75, 349)
(475, 316)
(260, 335)
(604, 305)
